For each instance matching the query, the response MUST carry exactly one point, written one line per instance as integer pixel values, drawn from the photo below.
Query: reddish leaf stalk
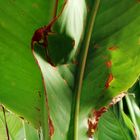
(6, 126)
(55, 8)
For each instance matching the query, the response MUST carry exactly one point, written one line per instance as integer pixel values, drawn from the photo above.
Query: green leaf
(128, 122)
(135, 89)
(58, 72)
(16, 128)
(114, 126)
(21, 82)
(112, 44)
(30, 132)
(134, 114)
(108, 64)
(112, 64)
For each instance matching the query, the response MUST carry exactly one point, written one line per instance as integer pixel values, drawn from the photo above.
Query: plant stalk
(82, 67)
(132, 114)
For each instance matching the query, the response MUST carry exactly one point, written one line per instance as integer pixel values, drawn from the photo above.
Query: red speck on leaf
(93, 122)
(51, 127)
(99, 112)
(109, 80)
(38, 35)
(41, 34)
(108, 64)
(113, 48)
(91, 128)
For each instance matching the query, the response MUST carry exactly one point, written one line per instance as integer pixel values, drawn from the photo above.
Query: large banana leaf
(112, 65)
(21, 82)
(59, 71)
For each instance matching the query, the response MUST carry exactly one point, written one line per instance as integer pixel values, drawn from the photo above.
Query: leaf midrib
(82, 66)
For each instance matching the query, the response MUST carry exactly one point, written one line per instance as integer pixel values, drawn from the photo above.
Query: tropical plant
(65, 64)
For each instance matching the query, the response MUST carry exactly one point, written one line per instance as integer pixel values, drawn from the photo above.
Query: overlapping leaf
(18, 129)
(112, 65)
(113, 126)
(21, 82)
(58, 76)
(22, 79)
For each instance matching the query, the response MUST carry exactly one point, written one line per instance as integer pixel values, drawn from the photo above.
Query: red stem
(55, 9)
(6, 126)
